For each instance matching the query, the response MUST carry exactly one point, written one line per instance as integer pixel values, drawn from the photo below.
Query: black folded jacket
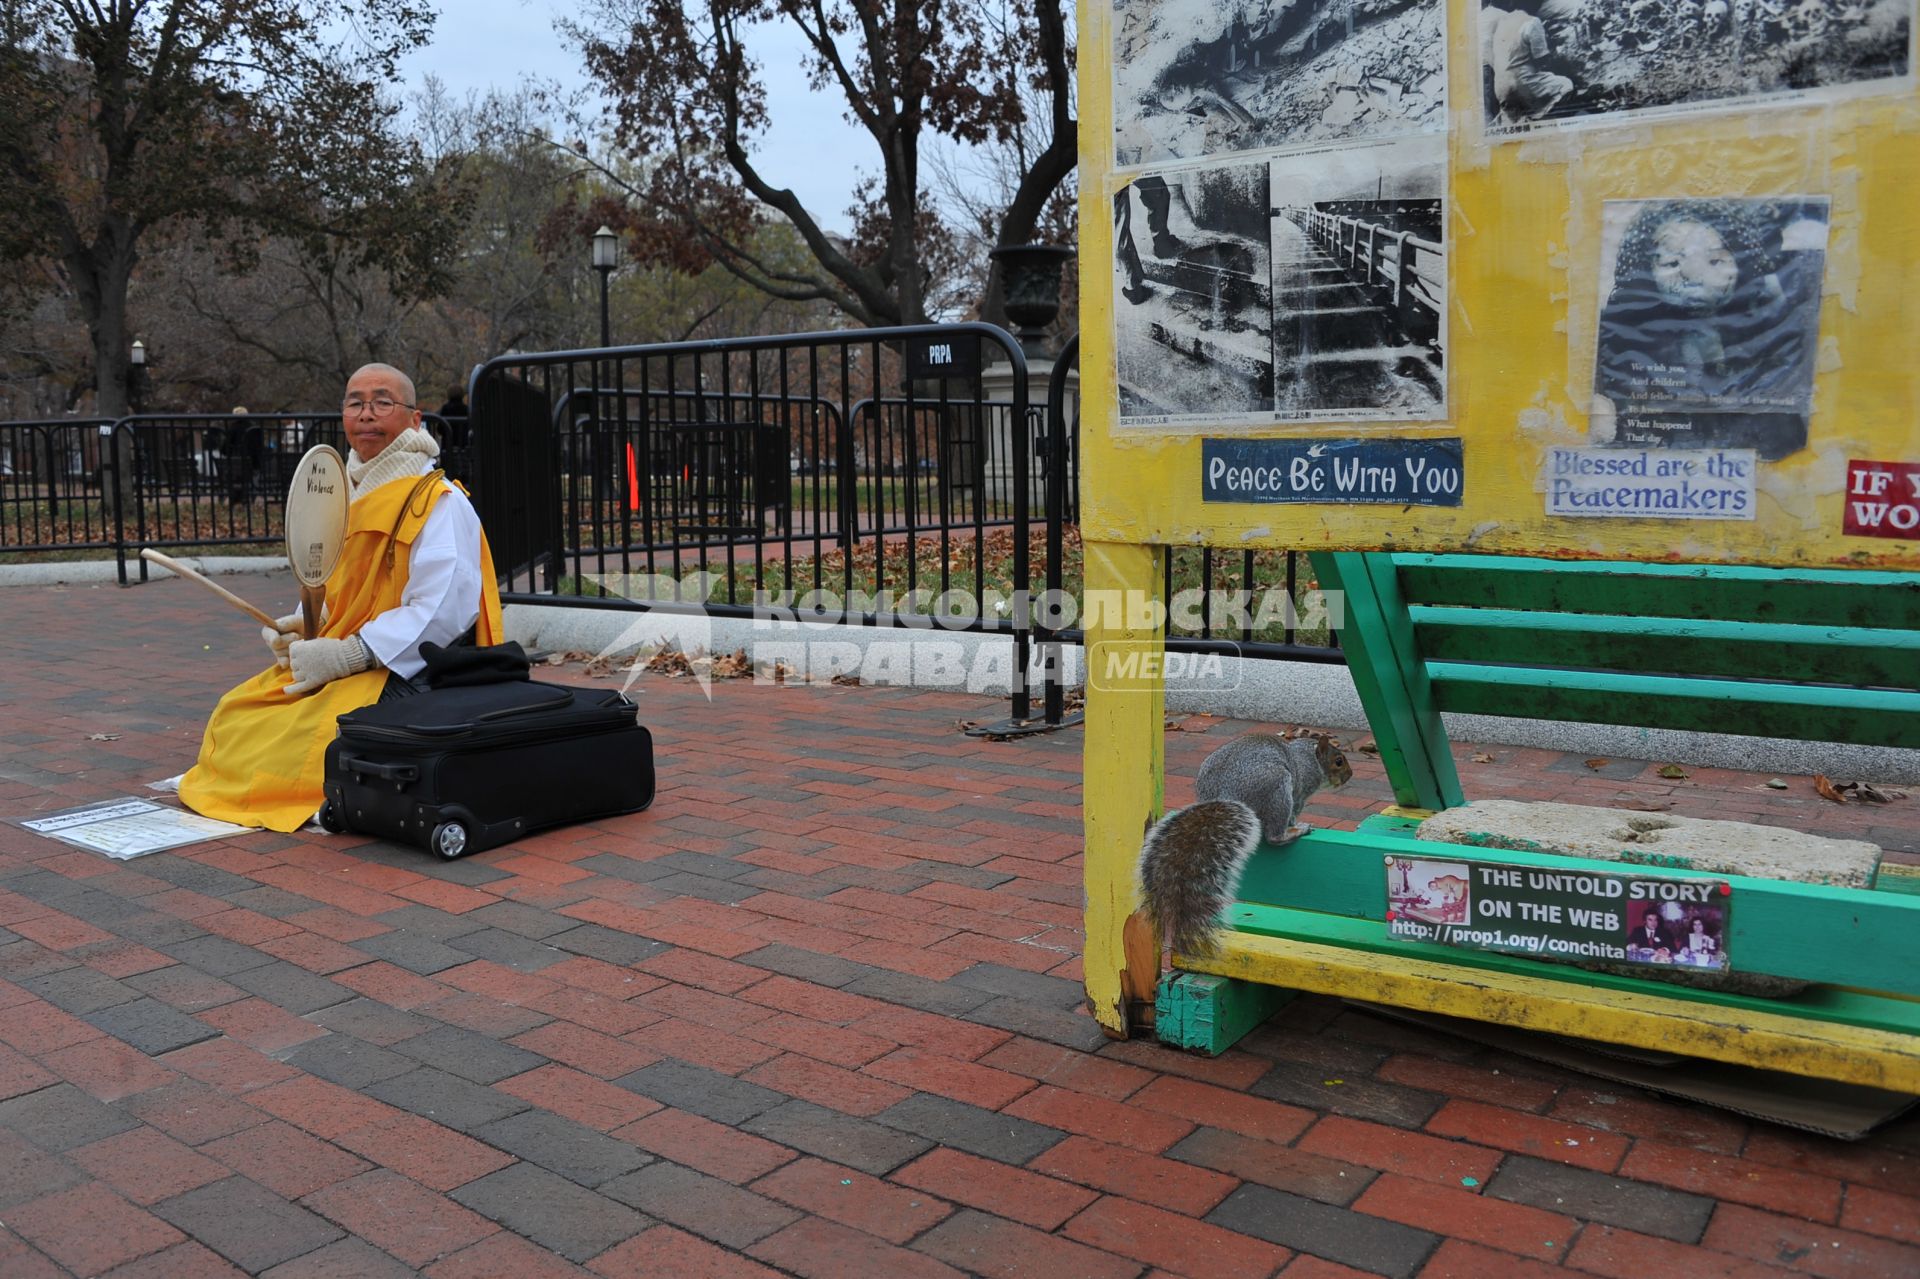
(463, 665)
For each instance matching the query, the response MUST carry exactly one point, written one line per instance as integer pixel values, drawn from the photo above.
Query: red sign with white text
(1883, 499)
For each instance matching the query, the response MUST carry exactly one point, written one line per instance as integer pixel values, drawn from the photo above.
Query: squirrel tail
(1190, 865)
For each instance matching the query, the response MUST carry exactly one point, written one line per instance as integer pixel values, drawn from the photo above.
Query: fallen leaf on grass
(1672, 772)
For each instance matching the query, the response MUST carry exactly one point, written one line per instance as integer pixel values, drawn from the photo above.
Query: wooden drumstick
(175, 567)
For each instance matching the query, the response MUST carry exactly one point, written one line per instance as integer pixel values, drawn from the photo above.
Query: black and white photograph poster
(1709, 323)
(1199, 78)
(1360, 283)
(1560, 62)
(1193, 297)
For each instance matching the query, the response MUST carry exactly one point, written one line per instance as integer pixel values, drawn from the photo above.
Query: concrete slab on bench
(1663, 839)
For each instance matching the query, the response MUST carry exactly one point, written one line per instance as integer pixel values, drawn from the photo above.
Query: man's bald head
(402, 379)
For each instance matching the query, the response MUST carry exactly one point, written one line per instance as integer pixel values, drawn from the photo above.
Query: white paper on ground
(129, 827)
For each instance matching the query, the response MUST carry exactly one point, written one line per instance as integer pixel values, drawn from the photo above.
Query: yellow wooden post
(1126, 707)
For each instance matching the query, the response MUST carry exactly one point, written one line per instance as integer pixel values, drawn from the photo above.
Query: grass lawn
(966, 566)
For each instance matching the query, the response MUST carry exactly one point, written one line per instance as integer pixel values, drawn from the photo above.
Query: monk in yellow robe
(414, 569)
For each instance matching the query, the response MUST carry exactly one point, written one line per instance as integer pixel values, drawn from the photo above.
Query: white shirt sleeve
(442, 597)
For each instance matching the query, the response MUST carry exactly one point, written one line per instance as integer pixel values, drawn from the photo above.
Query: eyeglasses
(380, 404)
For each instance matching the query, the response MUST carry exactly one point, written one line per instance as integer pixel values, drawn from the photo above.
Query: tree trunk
(103, 294)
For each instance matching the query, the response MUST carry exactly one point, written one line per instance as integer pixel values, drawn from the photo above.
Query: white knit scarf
(411, 453)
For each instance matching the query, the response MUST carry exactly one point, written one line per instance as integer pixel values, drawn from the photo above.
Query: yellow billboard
(1585, 278)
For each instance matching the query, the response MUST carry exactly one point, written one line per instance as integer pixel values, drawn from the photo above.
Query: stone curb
(57, 573)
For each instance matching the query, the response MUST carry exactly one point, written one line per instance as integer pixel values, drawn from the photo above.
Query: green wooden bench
(1810, 655)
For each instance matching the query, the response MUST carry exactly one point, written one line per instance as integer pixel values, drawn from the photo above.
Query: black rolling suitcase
(462, 769)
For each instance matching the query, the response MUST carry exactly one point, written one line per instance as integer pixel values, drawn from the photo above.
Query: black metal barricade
(852, 476)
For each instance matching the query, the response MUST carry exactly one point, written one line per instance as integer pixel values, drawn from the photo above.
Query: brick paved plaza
(815, 1013)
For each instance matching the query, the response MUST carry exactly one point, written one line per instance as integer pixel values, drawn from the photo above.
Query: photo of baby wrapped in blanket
(1709, 323)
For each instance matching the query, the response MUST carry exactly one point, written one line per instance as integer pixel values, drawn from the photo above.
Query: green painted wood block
(1206, 1014)
(1896, 878)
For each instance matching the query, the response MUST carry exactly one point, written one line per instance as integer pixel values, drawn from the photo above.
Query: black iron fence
(165, 480)
(50, 496)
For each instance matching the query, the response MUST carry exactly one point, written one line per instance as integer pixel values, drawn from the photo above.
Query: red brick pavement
(815, 1013)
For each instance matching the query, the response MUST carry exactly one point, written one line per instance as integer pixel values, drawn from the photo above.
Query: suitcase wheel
(449, 840)
(330, 819)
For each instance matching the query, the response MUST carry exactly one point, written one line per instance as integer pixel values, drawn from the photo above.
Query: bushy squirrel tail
(1190, 864)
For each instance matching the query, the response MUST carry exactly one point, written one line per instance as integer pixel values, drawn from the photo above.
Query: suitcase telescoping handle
(399, 774)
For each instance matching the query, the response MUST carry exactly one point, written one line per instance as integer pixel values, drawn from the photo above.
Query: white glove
(321, 661)
(280, 637)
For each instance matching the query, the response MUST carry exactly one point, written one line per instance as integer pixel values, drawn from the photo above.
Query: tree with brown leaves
(229, 119)
(689, 105)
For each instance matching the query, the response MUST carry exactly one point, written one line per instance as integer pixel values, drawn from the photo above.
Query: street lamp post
(606, 256)
(136, 375)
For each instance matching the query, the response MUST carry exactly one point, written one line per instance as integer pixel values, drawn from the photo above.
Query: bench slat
(1866, 717)
(1772, 1041)
(1391, 680)
(1676, 646)
(1814, 932)
(1819, 1003)
(1813, 597)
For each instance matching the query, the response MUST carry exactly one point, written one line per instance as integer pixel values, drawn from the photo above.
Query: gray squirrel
(1250, 790)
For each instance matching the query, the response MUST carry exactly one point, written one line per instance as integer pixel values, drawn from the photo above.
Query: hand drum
(316, 528)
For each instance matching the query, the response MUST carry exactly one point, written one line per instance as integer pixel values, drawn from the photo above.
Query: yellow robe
(262, 760)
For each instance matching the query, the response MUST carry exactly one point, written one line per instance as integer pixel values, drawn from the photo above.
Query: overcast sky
(482, 44)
